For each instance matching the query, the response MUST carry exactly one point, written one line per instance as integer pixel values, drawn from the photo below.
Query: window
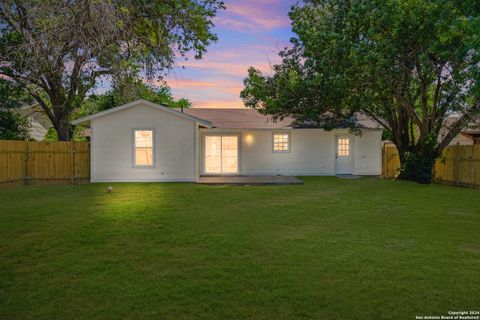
(221, 154)
(281, 142)
(343, 147)
(143, 148)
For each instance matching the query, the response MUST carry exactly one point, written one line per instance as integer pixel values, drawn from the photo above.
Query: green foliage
(13, 126)
(51, 135)
(406, 63)
(127, 91)
(417, 167)
(59, 50)
(79, 134)
(12, 96)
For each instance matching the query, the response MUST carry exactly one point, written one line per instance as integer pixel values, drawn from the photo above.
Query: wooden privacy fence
(458, 165)
(31, 162)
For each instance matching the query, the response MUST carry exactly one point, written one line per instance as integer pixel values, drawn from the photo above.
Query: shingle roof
(238, 118)
(86, 120)
(252, 119)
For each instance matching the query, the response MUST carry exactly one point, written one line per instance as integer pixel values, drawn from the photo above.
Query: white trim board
(86, 120)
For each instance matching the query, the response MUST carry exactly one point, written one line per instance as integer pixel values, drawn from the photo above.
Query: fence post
(456, 163)
(72, 162)
(25, 159)
(384, 162)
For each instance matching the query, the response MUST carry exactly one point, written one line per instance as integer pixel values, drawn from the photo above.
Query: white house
(38, 121)
(143, 141)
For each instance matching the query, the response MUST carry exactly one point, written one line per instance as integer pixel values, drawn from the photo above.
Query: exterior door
(221, 154)
(343, 155)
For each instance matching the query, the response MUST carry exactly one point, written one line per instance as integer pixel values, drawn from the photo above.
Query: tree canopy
(58, 50)
(409, 64)
(13, 126)
(129, 91)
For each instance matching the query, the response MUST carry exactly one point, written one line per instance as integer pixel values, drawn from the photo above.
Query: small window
(281, 142)
(343, 147)
(144, 151)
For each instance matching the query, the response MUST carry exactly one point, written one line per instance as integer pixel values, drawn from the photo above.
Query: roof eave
(86, 120)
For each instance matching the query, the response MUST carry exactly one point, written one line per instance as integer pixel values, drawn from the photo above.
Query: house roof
(226, 118)
(86, 120)
(252, 119)
(238, 118)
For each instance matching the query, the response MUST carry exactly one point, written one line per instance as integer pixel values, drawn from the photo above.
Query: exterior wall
(461, 140)
(312, 152)
(36, 130)
(112, 146)
(368, 153)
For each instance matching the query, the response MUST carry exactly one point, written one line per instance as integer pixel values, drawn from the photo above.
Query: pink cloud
(217, 79)
(223, 85)
(233, 62)
(234, 103)
(227, 68)
(181, 83)
(252, 15)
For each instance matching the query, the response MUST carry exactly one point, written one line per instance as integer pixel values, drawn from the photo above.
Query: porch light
(249, 139)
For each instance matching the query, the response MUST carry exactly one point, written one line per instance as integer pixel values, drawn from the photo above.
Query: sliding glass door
(221, 154)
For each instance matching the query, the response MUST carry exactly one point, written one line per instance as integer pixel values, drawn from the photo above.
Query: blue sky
(250, 34)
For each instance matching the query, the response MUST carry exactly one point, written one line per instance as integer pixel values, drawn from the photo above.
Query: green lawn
(329, 249)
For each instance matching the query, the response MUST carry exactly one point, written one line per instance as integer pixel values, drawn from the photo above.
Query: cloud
(234, 103)
(216, 80)
(251, 34)
(232, 62)
(253, 15)
(182, 83)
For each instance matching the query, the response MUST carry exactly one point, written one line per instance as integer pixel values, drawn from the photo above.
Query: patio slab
(249, 180)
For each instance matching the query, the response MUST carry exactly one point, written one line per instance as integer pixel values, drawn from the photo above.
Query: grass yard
(330, 249)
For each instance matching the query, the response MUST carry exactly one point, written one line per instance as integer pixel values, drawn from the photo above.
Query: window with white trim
(143, 149)
(281, 142)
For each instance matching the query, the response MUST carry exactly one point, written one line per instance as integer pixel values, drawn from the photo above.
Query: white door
(221, 154)
(343, 155)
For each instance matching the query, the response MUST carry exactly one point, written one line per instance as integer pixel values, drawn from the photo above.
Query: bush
(13, 126)
(417, 167)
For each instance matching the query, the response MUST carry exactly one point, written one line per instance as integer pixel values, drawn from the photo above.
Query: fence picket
(459, 165)
(31, 162)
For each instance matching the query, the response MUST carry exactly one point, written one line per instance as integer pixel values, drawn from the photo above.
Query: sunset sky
(250, 34)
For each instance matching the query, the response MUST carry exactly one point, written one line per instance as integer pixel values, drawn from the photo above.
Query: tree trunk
(64, 130)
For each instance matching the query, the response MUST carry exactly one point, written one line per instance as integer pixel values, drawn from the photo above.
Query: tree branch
(380, 121)
(459, 125)
(42, 104)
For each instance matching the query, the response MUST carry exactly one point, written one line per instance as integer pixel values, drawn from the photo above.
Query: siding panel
(112, 146)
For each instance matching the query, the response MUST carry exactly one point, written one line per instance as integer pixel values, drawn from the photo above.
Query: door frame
(339, 136)
(223, 134)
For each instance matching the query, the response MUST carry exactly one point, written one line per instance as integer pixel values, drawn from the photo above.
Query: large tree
(13, 126)
(58, 50)
(409, 64)
(127, 91)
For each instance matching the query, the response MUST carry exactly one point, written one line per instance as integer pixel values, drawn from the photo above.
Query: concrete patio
(249, 180)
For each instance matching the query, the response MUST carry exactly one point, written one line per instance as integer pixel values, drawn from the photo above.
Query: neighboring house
(143, 141)
(472, 134)
(468, 136)
(38, 120)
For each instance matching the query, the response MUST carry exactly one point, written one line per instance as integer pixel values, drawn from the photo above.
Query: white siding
(367, 152)
(112, 153)
(312, 152)
(179, 149)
